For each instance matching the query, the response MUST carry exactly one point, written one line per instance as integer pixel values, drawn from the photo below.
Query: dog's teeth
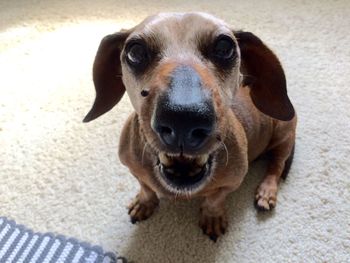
(188, 157)
(164, 159)
(201, 160)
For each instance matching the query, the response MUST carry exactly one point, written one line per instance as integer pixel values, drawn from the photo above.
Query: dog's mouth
(182, 173)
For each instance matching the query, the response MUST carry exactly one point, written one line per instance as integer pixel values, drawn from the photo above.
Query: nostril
(200, 134)
(167, 135)
(165, 130)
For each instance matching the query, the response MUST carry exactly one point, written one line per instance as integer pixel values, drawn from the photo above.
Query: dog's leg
(213, 218)
(278, 167)
(144, 204)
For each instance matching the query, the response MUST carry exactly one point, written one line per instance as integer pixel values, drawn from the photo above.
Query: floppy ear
(107, 75)
(265, 77)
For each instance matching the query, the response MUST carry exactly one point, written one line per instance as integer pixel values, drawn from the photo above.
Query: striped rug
(20, 245)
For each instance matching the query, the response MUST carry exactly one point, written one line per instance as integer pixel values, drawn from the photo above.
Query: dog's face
(181, 72)
(189, 66)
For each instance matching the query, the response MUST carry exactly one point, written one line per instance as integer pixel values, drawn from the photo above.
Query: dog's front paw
(266, 196)
(139, 210)
(213, 226)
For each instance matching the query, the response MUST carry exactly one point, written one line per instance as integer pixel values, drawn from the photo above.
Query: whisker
(152, 144)
(224, 145)
(176, 196)
(188, 195)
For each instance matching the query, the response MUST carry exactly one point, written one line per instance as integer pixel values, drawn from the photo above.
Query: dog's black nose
(184, 128)
(184, 117)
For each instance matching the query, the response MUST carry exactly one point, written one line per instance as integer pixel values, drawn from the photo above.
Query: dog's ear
(107, 75)
(265, 76)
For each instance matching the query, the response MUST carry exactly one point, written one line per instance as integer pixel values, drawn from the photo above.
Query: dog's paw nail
(213, 226)
(213, 237)
(262, 205)
(140, 211)
(266, 196)
(261, 208)
(272, 204)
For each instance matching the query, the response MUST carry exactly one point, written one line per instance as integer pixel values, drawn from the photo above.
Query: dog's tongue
(168, 161)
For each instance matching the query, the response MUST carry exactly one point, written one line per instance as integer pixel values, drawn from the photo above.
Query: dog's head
(181, 72)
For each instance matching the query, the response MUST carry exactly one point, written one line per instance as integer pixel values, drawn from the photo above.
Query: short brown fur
(251, 120)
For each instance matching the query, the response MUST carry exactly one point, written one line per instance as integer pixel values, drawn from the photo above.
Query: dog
(208, 100)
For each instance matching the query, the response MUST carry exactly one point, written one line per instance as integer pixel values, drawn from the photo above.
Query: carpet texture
(60, 175)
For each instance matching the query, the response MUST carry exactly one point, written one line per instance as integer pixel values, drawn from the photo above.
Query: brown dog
(208, 100)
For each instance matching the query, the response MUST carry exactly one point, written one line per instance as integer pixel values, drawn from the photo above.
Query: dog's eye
(224, 48)
(137, 55)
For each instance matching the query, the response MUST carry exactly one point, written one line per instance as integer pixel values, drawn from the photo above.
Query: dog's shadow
(172, 234)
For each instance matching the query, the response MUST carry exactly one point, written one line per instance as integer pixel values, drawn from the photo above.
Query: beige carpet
(58, 174)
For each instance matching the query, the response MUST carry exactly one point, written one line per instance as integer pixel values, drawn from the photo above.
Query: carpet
(62, 176)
